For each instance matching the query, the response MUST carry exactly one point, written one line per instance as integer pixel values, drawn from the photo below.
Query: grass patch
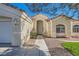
(73, 47)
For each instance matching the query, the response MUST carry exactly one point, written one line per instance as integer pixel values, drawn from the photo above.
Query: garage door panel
(5, 32)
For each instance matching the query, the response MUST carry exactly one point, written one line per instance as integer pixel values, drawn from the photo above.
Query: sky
(46, 10)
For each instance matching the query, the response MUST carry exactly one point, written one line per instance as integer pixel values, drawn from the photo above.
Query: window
(76, 28)
(60, 29)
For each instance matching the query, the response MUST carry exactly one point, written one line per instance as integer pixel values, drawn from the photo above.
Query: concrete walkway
(68, 40)
(36, 48)
(42, 45)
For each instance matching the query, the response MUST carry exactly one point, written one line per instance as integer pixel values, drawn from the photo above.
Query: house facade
(15, 26)
(61, 26)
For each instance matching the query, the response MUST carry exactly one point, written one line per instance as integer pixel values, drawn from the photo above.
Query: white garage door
(5, 32)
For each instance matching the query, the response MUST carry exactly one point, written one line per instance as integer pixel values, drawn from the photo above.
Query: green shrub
(33, 35)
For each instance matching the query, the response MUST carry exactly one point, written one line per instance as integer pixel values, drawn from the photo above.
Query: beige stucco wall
(63, 21)
(21, 24)
(50, 26)
(49, 34)
(74, 23)
(45, 24)
(26, 28)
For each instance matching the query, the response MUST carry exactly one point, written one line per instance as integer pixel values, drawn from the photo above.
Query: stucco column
(34, 26)
(69, 29)
(44, 27)
(51, 28)
(16, 40)
(71, 26)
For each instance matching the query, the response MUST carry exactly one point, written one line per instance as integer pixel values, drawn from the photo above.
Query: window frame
(76, 28)
(60, 28)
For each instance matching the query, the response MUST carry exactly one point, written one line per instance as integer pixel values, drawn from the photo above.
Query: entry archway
(39, 27)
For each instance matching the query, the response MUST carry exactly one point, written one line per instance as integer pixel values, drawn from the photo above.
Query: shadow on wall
(17, 51)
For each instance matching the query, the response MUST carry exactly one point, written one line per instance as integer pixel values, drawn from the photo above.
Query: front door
(39, 27)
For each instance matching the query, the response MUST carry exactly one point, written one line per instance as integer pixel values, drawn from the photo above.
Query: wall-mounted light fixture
(16, 21)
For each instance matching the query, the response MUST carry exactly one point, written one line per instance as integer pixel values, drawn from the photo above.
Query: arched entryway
(39, 27)
(60, 30)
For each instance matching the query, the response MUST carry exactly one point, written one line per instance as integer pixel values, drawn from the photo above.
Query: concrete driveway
(55, 47)
(37, 47)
